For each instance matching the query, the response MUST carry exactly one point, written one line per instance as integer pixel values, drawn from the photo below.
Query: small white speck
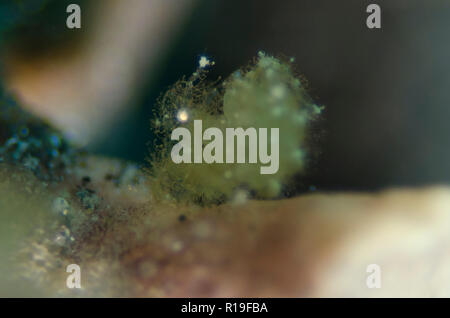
(182, 115)
(204, 62)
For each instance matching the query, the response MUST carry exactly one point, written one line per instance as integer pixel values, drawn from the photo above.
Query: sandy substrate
(313, 245)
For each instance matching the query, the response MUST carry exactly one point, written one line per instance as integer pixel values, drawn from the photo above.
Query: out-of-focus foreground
(128, 244)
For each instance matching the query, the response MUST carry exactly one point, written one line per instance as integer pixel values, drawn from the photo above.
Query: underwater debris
(266, 94)
(30, 142)
(88, 198)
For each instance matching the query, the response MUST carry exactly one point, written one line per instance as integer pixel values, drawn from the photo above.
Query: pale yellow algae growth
(266, 94)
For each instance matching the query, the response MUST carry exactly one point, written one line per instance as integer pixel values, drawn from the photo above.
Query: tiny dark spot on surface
(85, 180)
(88, 198)
(182, 218)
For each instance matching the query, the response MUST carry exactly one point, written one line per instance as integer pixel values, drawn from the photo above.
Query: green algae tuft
(266, 94)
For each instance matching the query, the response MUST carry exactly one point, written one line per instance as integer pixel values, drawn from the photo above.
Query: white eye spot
(182, 116)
